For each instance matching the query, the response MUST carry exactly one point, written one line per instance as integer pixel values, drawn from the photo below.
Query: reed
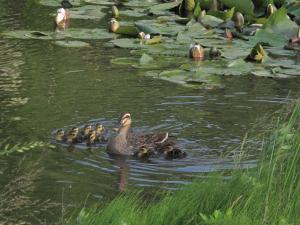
(267, 194)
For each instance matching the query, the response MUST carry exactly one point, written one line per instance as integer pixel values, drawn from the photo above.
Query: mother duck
(129, 143)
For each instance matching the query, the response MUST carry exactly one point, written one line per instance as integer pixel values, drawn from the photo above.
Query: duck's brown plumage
(129, 143)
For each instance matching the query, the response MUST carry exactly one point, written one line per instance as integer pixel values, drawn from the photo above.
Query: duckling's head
(60, 134)
(113, 25)
(75, 130)
(125, 119)
(60, 16)
(99, 128)
(86, 129)
(92, 134)
(196, 51)
(71, 136)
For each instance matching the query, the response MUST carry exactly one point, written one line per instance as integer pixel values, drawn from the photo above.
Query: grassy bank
(267, 194)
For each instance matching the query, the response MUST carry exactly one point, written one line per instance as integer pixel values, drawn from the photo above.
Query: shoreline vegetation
(266, 194)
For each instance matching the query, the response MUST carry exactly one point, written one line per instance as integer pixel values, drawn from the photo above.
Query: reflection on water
(44, 87)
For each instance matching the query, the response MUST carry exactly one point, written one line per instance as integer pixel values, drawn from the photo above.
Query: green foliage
(246, 6)
(9, 149)
(268, 194)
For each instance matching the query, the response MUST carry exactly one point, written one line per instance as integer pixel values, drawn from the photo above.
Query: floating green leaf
(72, 44)
(277, 29)
(145, 59)
(160, 9)
(211, 21)
(245, 6)
(87, 12)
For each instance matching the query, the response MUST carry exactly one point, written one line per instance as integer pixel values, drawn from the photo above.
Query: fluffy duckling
(60, 135)
(99, 132)
(113, 25)
(72, 136)
(86, 130)
(91, 138)
(173, 153)
(196, 51)
(143, 152)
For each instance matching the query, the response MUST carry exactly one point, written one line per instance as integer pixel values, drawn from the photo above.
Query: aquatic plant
(267, 194)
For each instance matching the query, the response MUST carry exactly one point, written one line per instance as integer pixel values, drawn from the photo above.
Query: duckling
(72, 137)
(143, 152)
(99, 132)
(173, 153)
(91, 138)
(113, 25)
(86, 130)
(60, 135)
(196, 51)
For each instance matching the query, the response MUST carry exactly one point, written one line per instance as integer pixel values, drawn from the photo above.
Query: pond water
(44, 87)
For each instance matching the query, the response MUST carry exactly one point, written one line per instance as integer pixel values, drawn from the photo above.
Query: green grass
(267, 194)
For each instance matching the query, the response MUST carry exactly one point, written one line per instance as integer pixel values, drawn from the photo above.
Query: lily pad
(277, 30)
(128, 43)
(145, 59)
(245, 6)
(72, 44)
(25, 34)
(76, 33)
(133, 12)
(56, 3)
(87, 12)
(160, 9)
(211, 21)
(100, 2)
(191, 79)
(166, 28)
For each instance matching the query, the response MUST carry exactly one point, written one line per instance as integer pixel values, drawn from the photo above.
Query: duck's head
(125, 120)
(196, 51)
(113, 25)
(60, 16)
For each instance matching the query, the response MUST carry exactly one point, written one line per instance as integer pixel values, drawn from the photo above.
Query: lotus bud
(257, 54)
(239, 20)
(214, 52)
(196, 51)
(141, 35)
(201, 15)
(214, 5)
(189, 5)
(271, 9)
(113, 25)
(295, 39)
(115, 12)
(228, 34)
